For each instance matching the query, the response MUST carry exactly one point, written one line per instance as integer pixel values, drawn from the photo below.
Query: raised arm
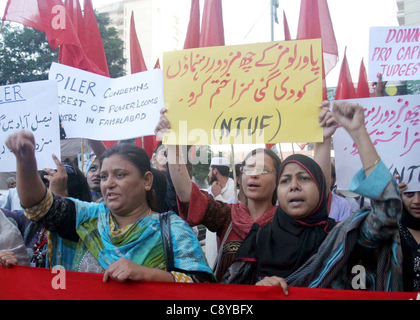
(322, 153)
(30, 187)
(352, 118)
(177, 166)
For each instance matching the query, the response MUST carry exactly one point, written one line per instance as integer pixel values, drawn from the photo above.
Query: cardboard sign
(394, 52)
(259, 93)
(32, 107)
(100, 108)
(394, 127)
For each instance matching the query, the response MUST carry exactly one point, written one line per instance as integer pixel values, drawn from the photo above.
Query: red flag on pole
(345, 87)
(212, 28)
(92, 40)
(315, 23)
(75, 12)
(192, 40)
(138, 65)
(287, 36)
(136, 54)
(363, 90)
(157, 65)
(51, 17)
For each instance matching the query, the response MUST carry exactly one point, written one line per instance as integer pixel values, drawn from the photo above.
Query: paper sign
(259, 93)
(32, 107)
(394, 52)
(394, 127)
(100, 108)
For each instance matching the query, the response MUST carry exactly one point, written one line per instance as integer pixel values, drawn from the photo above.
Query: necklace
(38, 258)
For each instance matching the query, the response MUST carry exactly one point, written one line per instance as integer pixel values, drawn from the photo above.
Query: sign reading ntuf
(260, 93)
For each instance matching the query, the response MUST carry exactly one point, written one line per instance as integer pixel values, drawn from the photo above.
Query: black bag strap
(165, 224)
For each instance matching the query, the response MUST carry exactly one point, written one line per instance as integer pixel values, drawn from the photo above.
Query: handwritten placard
(394, 52)
(394, 127)
(259, 93)
(32, 107)
(100, 108)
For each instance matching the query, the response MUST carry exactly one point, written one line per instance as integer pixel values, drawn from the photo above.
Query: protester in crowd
(160, 159)
(10, 200)
(410, 238)
(46, 249)
(93, 178)
(340, 209)
(11, 183)
(232, 223)
(12, 249)
(159, 181)
(121, 237)
(222, 187)
(303, 247)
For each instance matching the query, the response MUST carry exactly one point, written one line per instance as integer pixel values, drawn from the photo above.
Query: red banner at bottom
(23, 283)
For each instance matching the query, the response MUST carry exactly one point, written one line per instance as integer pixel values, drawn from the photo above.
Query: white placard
(32, 107)
(394, 127)
(394, 52)
(100, 108)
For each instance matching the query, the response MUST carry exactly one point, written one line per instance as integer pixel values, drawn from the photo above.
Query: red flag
(136, 54)
(74, 10)
(138, 65)
(50, 17)
(345, 87)
(315, 23)
(192, 40)
(287, 35)
(157, 65)
(363, 90)
(92, 40)
(212, 29)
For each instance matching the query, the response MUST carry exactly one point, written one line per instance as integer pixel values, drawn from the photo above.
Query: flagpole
(272, 20)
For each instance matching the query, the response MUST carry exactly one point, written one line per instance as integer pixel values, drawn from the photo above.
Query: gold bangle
(373, 165)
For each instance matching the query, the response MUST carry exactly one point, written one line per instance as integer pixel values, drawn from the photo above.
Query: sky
(248, 21)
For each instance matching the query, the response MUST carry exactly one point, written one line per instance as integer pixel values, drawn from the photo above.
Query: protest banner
(25, 283)
(32, 107)
(393, 125)
(259, 93)
(394, 52)
(100, 108)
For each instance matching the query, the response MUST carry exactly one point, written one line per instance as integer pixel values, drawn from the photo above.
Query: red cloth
(287, 35)
(345, 87)
(24, 283)
(42, 16)
(212, 28)
(136, 54)
(139, 65)
(242, 221)
(92, 40)
(192, 40)
(363, 90)
(315, 23)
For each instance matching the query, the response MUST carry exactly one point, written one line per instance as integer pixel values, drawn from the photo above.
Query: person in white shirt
(222, 188)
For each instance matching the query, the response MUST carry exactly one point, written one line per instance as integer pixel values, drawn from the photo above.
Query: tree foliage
(26, 56)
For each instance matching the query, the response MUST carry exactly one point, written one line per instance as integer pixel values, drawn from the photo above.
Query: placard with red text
(393, 124)
(394, 52)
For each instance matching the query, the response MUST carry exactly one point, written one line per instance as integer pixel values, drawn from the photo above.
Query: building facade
(157, 26)
(408, 12)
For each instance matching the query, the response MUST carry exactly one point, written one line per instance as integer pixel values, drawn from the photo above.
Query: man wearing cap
(222, 188)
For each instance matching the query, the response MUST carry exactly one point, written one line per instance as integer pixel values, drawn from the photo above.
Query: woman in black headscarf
(300, 224)
(303, 247)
